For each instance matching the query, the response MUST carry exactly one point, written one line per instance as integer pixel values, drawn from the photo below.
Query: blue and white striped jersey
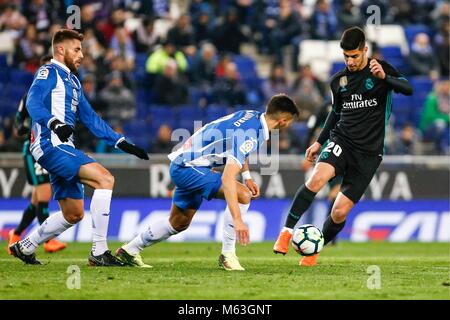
(234, 136)
(56, 93)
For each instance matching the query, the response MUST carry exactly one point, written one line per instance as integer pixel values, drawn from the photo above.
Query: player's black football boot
(104, 260)
(27, 258)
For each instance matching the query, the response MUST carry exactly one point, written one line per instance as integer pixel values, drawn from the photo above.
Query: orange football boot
(54, 245)
(308, 261)
(12, 238)
(282, 243)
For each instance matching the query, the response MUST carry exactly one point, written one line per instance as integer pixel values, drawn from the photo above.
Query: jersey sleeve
(390, 69)
(95, 124)
(21, 114)
(43, 83)
(243, 143)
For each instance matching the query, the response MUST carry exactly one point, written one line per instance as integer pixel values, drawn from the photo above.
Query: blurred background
(153, 66)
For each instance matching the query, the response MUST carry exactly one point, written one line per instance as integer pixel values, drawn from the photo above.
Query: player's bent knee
(339, 214)
(244, 197)
(107, 181)
(74, 217)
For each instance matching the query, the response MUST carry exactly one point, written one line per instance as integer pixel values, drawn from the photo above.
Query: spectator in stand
(401, 11)
(157, 60)
(266, 13)
(306, 91)
(91, 45)
(123, 46)
(145, 37)
(323, 22)
(228, 89)
(277, 82)
(203, 28)
(119, 64)
(421, 57)
(28, 51)
(119, 101)
(422, 10)
(182, 35)
(90, 21)
(348, 16)
(405, 142)
(40, 14)
(434, 122)
(106, 28)
(170, 88)
(90, 92)
(287, 31)
(442, 45)
(163, 143)
(12, 21)
(203, 70)
(228, 34)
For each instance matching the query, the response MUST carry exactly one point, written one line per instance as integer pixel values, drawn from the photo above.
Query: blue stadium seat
(3, 61)
(391, 52)
(300, 130)
(4, 76)
(245, 65)
(336, 67)
(140, 60)
(23, 77)
(403, 109)
(163, 114)
(214, 111)
(422, 85)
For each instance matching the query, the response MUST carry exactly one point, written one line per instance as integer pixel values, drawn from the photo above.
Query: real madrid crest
(343, 81)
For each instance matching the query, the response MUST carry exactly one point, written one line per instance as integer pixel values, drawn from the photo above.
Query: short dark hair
(66, 34)
(353, 38)
(45, 59)
(281, 103)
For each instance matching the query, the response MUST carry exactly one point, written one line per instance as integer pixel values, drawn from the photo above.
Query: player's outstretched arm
(231, 170)
(130, 148)
(103, 131)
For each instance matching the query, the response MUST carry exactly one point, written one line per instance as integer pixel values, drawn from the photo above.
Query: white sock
(155, 233)
(228, 233)
(51, 228)
(290, 230)
(100, 207)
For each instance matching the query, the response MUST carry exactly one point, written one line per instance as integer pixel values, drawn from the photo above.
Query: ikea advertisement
(385, 220)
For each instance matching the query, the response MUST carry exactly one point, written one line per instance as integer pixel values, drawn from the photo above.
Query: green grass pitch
(190, 271)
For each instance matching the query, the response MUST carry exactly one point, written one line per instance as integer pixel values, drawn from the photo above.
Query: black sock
(42, 212)
(331, 229)
(330, 208)
(27, 217)
(302, 200)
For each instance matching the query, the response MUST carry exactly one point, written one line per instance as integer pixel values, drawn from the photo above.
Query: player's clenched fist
(62, 130)
(313, 151)
(377, 69)
(132, 149)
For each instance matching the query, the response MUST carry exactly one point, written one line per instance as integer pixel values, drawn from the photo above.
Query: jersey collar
(264, 125)
(61, 65)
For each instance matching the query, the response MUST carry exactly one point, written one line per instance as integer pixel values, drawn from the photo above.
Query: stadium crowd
(150, 67)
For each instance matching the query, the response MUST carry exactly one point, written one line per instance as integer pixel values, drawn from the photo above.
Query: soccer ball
(307, 240)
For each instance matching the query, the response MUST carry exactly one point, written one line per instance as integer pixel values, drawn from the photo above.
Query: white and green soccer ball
(307, 240)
